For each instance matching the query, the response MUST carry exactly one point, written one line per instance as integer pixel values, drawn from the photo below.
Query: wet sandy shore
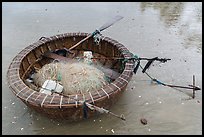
(168, 30)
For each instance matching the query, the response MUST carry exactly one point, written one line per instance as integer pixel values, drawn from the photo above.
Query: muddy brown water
(170, 30)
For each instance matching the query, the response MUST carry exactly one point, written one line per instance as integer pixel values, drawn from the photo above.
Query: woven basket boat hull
(62, 107)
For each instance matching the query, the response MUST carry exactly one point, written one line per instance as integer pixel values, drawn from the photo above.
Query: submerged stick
(176, 86)
(102, 110)
(193, 86)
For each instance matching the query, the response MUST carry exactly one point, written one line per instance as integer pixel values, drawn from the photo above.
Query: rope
(125, 60)
(136, 58)
(153, 79)
(150, 61)
(97, 36)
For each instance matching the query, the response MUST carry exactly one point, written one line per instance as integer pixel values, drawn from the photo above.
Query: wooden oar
(105, 26)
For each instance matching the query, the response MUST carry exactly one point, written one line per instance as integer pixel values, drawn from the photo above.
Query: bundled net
(75, 77)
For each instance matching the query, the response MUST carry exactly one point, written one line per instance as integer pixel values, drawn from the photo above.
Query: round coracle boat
(69, 107)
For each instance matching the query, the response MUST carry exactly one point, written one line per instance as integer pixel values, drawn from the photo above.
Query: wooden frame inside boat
(63, 107)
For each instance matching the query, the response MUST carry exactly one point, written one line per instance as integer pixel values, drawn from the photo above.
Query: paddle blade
(111, 22)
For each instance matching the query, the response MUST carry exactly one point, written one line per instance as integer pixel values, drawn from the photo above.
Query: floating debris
(146, 103)
(13, 122)
(112, 131)
(100, 120)
(22, 128)
(13, 103)
(5, 107)
(140, 96)
(132, 87)
(182, 103)
(143, 121)
(58, 124)
(43, 128)
(94, 120)
(160, 102)
(198, 101)
(101, 127)
(14, 117)
(149, 129)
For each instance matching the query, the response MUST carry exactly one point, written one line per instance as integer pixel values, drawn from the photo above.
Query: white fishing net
(75, 77)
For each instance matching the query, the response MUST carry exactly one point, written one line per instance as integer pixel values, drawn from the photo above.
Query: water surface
(170, 30)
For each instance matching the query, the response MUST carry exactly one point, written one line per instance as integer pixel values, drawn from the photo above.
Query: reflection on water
(191, 25)
(185, 18)
(169, 11)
